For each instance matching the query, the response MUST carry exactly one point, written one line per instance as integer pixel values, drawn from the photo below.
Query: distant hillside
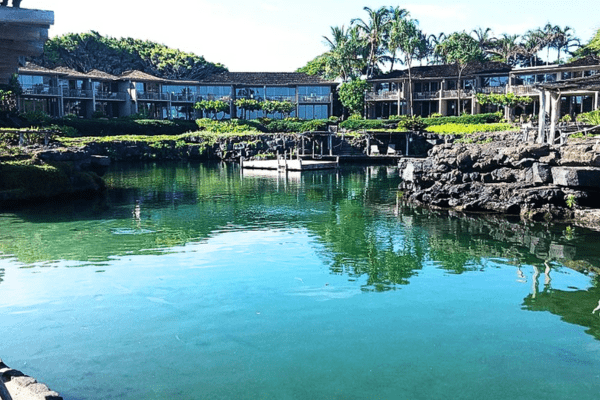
(87, 51)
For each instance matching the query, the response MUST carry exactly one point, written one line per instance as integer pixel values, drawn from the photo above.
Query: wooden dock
(283, 164)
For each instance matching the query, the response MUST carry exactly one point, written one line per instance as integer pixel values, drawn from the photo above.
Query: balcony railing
(524, 90)
(492, 89)
(454, 93)
(40, 90)
(426, 95)
(382, 96)
(154, 96)
(77, 93)
(291, 99)
(111, 96)
(314, 99)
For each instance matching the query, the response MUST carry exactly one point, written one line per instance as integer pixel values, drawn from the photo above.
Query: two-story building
(63, 91)
(434, 88)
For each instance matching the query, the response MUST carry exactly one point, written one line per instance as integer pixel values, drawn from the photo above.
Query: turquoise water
(199, 282)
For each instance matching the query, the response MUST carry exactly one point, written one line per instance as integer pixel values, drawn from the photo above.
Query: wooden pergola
(550, 94)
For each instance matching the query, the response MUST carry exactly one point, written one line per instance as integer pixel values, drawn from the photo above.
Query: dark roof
(136, 75)
(581, 62)
(31, 68)
(265, 78)
(445, 70)
(585, 83)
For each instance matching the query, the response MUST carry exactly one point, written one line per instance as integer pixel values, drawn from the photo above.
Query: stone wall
(508, 176)
(23, 387)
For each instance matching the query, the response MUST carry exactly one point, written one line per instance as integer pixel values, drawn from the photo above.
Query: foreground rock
(535, 181)
(22, 387)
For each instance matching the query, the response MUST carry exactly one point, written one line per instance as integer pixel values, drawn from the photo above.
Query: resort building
(434, 88)
(64, 91)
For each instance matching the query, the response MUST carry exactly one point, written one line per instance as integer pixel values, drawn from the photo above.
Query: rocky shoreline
(503, 174)
(23, 387)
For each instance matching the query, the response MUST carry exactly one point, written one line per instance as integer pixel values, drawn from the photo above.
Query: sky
(281, 36)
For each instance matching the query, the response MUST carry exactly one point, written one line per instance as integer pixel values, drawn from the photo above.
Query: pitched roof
(136, 75)
(585, 83)
(445, 70)
(588, 60)
(31, 68)
(70, 73)
(97, 74)
(265, 78)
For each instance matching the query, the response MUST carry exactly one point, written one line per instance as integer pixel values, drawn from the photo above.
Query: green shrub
(363, 124)
(126, 126)
(334, 119)
(229, 126)
(355, 117)
(414, 123)
(592, 118)
(461, 129)
(465, 119)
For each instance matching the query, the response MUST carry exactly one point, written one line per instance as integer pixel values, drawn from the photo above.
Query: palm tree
(564, 39)
(345, 57)
(549, 33)
(484, 37)
(533, 42)
(432, 42)
(506, 48)
(412, 42)
(374, 29)
(397, 16)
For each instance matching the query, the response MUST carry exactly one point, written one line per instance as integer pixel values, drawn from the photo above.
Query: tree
(247, 105)
(345, 58)
(484, 37)
(411, 42)
(506, 49)
(590, 49)
(317, 66)
(462, 50)
(214, 107)
(397, 17)
(564, 40)
(533, 42)
(375, 29)
(352, 95)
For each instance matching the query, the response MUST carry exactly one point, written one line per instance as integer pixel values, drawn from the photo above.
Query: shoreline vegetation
(79, 150)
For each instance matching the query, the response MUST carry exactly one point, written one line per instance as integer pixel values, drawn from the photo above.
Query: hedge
(116, 127)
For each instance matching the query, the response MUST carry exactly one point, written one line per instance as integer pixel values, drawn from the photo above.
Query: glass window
(550, 78)
(567, 75)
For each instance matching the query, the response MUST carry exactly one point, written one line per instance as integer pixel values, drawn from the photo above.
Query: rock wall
(535, 181)
(23, 387)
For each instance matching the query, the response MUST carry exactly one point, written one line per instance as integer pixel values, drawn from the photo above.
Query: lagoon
(199, 281)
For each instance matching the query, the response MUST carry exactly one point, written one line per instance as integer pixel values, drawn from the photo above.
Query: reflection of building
(64, 91)
(434, 88)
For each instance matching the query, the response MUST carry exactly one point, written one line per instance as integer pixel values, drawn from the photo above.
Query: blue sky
(270, 35)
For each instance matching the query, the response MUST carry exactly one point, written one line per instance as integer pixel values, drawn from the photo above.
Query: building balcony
(40, 90)
(426, 95)
(77, 93)
(184, 97)
(383, 96)
(492, 90)
(291, 99)
(453, 94)
(314, 99)
(120, 96)
(524, 90)
(151, 96)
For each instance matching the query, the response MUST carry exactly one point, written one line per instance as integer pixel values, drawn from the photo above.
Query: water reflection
(360, 228)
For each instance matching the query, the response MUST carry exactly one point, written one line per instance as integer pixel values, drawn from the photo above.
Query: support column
(542, 118)
(597, 98)
(554, 115)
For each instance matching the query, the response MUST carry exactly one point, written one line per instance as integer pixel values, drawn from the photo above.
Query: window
(495, 81)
